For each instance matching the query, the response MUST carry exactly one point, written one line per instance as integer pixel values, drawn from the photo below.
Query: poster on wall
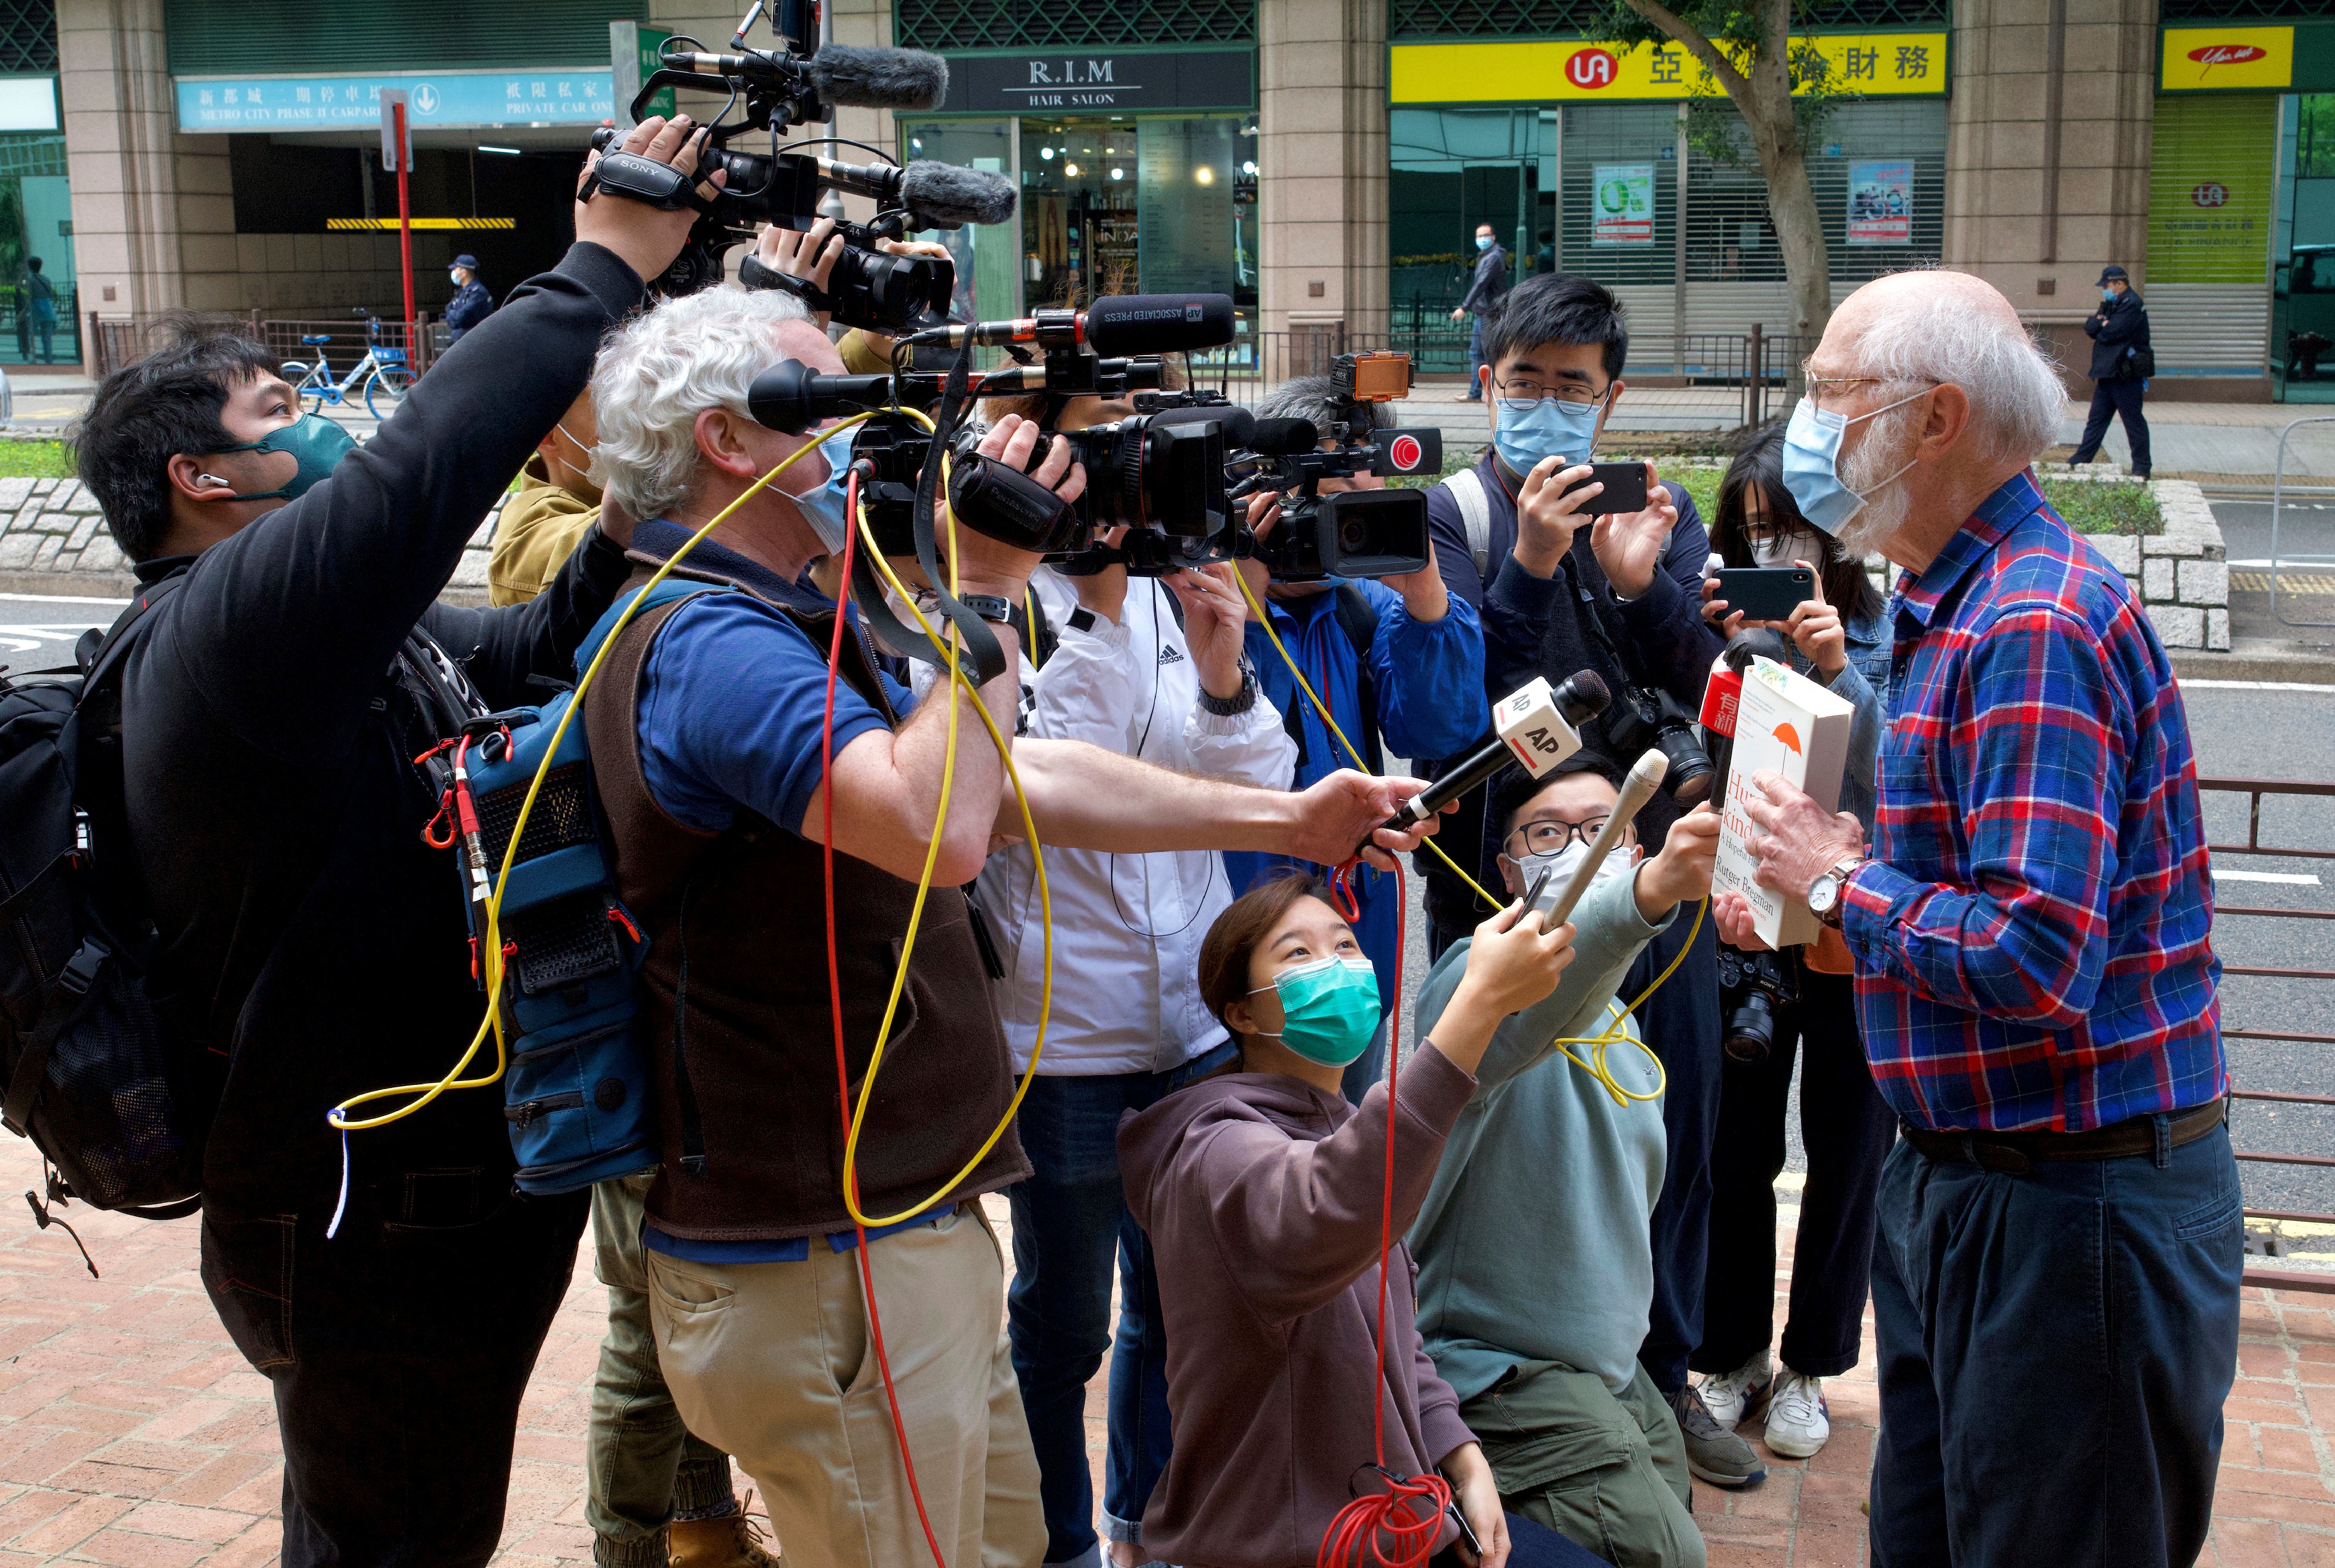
(1622, 204)
(1881, 202)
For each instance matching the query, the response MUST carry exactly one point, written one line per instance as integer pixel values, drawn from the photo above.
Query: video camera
(784, 87)
(1351, 533)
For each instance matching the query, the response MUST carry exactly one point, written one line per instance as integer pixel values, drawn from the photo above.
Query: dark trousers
(1530, 1545)
(1681, 1024)
(1071, 1223)
(1846, 1128)
(1475, 356)
(2055, 1349)
(2112, 397)
(398, 1349)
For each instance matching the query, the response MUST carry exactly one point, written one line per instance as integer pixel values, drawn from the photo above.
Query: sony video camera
(779, 89)
(1373, 533)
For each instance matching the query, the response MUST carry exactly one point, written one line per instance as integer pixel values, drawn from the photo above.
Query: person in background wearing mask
(1839, 640)
(1399, 660)
(1485, 291)
(1560, 591)
(1265, 1193)
(1536, 1263)
(471, 303)
(1152, 668)
(293, 637)
(2119, 335)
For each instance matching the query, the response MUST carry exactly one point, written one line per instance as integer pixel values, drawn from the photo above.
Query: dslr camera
(800, 82)
(1378, 533)
(1645, 718)
(1751, 987)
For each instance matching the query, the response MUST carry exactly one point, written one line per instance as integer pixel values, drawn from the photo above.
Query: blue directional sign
(552, 95)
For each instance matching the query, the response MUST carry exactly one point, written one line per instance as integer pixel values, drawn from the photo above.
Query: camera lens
(1751, 1029)
(1353, 536)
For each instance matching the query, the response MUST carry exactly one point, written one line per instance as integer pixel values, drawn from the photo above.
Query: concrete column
(153, 211)
(1322, 161)
(2038, 234)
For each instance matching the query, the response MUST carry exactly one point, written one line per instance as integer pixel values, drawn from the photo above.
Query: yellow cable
(907, 946)
(491, 948)
(1598, 1043)
(1320, 707)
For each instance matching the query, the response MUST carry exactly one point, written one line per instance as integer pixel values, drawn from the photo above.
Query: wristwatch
(1240, 701)
(1825, 892)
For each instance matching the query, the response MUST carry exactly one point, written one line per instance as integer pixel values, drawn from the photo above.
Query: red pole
(405, 221)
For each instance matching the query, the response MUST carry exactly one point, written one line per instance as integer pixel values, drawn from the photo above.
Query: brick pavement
(131, 1434)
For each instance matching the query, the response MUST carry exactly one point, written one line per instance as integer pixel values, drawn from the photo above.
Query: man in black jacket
(2119, 332)
(1484, 293)
(390, 1283)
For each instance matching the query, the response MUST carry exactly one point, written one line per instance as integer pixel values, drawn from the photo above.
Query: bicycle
(386, 375)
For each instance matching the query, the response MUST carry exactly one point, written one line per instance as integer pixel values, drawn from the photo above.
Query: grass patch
(2105, 505)
(35, 460)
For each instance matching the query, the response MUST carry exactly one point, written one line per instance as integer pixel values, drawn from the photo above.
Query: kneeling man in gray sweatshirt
(1535, 1271)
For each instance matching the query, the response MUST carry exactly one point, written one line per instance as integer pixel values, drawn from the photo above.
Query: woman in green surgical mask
(1261, 1192)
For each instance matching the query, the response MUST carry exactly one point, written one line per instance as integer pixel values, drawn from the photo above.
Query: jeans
(1848, 1128)
(1069, 1223)
(1680, 1025)
(2112, 398)
(645, 1466)
(2054, 1351)
(1476, 358)
(398, 1352)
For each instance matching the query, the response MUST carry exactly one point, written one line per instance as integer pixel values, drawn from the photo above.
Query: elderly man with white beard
(2055, 1287)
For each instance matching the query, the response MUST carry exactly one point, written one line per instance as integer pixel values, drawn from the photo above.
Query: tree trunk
(1799, 234)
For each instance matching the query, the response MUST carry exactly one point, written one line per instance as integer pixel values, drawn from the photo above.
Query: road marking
(57, 599)
(2282, 879)
(2254, 686)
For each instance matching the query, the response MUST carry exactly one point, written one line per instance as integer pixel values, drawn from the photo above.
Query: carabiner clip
(430, 831)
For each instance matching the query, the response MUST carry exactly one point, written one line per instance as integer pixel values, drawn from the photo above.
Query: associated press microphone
(1119, 324)
(1533, 725)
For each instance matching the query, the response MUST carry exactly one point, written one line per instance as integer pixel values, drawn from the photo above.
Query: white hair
(664, 368)
(2017, 399)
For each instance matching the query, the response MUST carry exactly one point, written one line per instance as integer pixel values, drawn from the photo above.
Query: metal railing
(2277, 492)
(115, 341)
(2255, 789)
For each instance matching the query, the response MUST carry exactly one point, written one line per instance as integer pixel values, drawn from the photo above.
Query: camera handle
(752, 274)
(644, 181)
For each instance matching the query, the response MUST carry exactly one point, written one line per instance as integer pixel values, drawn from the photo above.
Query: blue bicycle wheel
(384, 389)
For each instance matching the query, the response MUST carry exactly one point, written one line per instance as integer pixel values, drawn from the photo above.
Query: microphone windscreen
(1284, 438)
(949, 196)
(851, 77)
(1128, 323)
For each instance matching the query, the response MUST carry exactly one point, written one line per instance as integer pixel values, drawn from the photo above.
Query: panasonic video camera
(1365, 533)
(800, 83)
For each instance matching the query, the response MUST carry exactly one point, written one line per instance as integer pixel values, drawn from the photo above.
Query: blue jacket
(470, 307)
(1429, 685)
(2115, 331)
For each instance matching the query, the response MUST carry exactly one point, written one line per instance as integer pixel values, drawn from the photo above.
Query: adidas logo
(1171, 656)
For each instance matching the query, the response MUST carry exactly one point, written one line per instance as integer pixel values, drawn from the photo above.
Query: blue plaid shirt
(2033, 936)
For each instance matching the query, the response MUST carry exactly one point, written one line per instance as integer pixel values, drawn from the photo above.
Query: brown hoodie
(1262, 1196)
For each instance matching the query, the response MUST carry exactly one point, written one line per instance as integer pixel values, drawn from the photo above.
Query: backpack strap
(1466, 487)
(1359, 621)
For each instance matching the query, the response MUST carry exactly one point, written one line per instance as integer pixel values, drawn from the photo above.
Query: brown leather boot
(740, 1540)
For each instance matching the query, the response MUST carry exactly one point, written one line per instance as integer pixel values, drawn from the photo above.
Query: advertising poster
(1622, 204)
(1881, 202)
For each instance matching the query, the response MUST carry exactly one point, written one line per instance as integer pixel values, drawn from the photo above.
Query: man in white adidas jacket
(1152, 668)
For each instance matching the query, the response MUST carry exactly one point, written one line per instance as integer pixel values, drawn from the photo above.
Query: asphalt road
(2238, 732)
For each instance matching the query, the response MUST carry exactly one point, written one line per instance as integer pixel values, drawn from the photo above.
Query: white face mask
(1783, 549)
(1621, 862)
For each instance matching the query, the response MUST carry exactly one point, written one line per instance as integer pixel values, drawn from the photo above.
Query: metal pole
(405, 220)
(1755, 401)
(1678, 258)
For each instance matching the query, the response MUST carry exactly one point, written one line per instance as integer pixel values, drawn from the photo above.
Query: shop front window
(985, 254)
(1126, 205)
(40, 315)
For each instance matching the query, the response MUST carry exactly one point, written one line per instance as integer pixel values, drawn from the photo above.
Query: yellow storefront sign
(2220, 58)
(1878, 64)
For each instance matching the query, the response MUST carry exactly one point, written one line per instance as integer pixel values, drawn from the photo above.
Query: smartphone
(1624, 491)
(1765, 593)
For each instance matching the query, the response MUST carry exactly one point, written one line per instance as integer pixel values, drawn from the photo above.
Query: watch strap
(991, 607)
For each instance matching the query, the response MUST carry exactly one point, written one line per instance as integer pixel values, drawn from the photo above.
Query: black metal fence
(115, 341)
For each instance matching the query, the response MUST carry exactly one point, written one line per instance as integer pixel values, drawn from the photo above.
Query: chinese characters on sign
(1621, 210)
(1875, 64)
(1879, 202)
(563, 96)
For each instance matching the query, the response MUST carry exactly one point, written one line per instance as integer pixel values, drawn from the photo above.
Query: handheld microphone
(1282, 438)
(1725, 691)
(1645, 777)
(1532, 725)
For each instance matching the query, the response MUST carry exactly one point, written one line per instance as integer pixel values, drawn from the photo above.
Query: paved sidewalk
(131, 1434)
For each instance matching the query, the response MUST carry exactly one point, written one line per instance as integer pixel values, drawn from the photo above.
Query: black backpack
(118, 1109)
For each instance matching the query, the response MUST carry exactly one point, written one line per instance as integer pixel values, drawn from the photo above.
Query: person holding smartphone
(1839, 638)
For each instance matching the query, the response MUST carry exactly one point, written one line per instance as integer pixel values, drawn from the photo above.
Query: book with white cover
(1784, 724)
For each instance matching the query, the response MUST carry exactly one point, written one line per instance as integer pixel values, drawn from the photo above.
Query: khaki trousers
(773, 1362)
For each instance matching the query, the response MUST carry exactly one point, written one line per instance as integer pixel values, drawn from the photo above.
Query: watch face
(1823, 892)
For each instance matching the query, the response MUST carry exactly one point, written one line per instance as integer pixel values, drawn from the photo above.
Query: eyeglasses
(1817, 383)
(1549, 837)
(1525, 390)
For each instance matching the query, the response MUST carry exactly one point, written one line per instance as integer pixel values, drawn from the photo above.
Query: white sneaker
(1732, 1395)
(1798, 1421)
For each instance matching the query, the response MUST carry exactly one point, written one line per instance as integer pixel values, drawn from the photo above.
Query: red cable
(835, 1003)
(1366, 1529)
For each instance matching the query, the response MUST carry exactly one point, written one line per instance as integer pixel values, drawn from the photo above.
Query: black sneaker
(1713, 1453)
